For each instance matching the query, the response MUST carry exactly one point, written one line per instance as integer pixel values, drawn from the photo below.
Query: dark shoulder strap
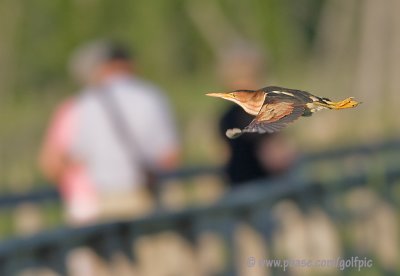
(119, 124)
(125, 137)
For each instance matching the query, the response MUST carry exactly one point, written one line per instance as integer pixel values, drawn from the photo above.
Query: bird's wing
(299, 95)
(274, 117)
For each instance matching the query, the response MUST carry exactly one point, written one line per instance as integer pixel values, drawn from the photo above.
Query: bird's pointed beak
(223, 95)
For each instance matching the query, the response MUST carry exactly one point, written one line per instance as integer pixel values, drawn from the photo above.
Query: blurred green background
(332, 48)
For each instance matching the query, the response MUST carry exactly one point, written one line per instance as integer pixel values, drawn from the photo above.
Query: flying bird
(275, 107)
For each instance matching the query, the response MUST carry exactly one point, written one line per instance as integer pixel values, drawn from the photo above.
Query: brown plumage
(275, 107)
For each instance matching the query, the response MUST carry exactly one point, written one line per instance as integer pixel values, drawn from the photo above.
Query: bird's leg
(346, 103)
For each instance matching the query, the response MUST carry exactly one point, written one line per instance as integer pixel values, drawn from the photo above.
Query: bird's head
(250, 100)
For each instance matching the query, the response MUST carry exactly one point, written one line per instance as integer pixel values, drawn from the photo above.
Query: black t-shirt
(243, 164)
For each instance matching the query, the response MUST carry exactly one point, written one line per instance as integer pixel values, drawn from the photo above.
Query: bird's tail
(233, 133)
(346, 103)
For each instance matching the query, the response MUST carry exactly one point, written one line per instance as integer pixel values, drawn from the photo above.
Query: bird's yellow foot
(346, 103)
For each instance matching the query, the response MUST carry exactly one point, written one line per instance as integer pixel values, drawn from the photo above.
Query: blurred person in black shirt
(251, 156)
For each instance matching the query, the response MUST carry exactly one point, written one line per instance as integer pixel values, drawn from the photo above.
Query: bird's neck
(254, 104)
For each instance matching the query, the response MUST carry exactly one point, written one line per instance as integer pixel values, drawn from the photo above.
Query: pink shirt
(76, 187)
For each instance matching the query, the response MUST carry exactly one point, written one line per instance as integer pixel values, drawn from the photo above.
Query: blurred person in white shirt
(102, 175)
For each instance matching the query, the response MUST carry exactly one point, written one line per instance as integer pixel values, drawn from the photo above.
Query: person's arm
(53, 155)
(170, 160)
(169, 157)
(160, 143)
(51, 161)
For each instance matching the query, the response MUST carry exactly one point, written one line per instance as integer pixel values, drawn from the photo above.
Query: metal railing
(51, 194)
(250, 203)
